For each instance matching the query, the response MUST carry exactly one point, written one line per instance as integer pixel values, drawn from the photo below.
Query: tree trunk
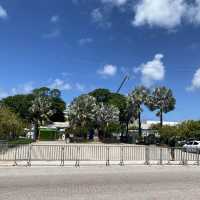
(140, 125)
(161, 118)
(127, 129)
(36, 131)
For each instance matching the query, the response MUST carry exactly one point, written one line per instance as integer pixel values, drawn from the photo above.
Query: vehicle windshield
(190, 143)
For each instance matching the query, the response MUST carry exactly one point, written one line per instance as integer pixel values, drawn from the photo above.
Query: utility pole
(126, 78)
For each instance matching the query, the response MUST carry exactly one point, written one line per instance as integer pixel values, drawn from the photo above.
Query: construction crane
(126, 78)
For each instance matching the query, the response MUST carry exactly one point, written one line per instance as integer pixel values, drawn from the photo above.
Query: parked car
(192, 146)
(181, 142)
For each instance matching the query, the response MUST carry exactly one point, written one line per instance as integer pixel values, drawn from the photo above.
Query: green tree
(129, 113)
(101, 95)
(107, 97)
(43, 91)
(119, 101)
(189, 129)
(139, 97)
(58, 106)
(11, 125)
(55, 93)
(167, 132)
(162, 101)
(20, 104)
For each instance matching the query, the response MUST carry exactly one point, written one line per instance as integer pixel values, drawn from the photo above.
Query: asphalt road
(99, 182)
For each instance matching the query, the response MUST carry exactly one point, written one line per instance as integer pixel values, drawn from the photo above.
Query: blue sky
(80, 45)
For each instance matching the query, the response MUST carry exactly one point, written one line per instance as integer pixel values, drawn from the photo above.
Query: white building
(148, 123)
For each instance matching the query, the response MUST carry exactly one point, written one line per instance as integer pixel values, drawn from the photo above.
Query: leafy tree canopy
(162, 101)
(107, 97)
(101, 95)
(20, 104)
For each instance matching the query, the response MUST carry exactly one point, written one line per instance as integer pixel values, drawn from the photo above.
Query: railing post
(161, 156)
(29, 155)
(15, 159)
(121, 156)
(107, 156)
(184, 159)
(77, 164)
(62, 156)
(168, 156)
(197, 155)
(147, 155)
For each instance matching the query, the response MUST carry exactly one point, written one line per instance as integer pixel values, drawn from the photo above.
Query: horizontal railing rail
(78, 153)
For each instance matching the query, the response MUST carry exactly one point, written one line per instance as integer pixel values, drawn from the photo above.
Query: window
(190, 143)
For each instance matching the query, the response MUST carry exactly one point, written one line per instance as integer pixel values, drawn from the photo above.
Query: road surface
(100, 183)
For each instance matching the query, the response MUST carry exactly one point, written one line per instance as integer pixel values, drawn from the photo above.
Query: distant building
(147, 130)
(149, 135)
(59, 125)
(148, 123)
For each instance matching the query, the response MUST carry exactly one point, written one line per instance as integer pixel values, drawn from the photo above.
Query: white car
(192, 146)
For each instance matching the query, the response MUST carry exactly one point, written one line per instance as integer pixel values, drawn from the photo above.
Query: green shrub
(48, 134)
(11, 126)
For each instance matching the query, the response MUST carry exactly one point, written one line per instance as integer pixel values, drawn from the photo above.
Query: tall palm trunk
(161, 118)
(36, 131)
(139, 125)
(127, 128)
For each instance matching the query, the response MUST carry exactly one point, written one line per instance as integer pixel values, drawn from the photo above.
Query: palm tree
(107, 114)
(162, 101)
(40, 112)
(82, 112)
(139, 97)
(128, 114)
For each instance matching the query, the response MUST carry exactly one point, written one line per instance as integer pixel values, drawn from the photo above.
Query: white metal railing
(96, 152)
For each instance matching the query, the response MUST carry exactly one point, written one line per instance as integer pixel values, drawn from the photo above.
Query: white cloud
(195, 81)
(55, 19)
(27, 88)
(193, 12)
(60, 84)
(162, 13)
(108, 70)
(22, 89)
(99, 17)
(84, 41)
(53, 34)
(115, 2)
(166, 13)
(152, 71)
(3, 94)
(80, 87)
(3, 13)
